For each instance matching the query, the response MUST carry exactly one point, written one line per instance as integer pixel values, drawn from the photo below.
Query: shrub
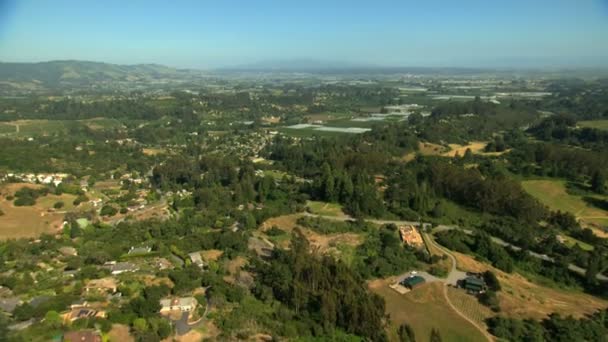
(24, 201)
(108, 210)
(58, 205)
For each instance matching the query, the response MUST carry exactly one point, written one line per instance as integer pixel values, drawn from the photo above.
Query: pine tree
(598, 181)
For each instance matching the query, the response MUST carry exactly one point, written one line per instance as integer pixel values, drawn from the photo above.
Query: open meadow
(522, 298)
(552, 193)
(31, 221)
(424, 308)
(599, 124)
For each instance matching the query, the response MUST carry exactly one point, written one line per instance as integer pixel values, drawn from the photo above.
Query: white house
(183, 304)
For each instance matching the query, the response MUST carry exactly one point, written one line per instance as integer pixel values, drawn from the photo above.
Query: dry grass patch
(457, 149)
(430, 149)
(120, 333)
(211, 254)
(319, 242)
(153, 151)
(521, 298)
(424, 308)
(30, 221)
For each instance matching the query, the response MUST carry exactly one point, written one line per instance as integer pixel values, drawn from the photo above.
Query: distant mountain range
(81, 73)
(23, 78)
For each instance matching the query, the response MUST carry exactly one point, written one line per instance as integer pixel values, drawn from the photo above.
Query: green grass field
(599, 124)
(552, 193)
(33, 127)
(570, 241)
(324, 208)
(29, 128)
(307, 132)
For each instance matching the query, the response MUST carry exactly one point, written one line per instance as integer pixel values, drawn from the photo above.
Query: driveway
(181, 325)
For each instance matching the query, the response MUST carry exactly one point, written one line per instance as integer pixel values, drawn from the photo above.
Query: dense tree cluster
(322, 291)
(553, 328)
(496, 195)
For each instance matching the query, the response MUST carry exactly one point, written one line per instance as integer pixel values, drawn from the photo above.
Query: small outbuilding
(413, 282)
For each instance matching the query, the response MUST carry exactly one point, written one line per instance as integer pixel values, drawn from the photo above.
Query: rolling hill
(53, 74)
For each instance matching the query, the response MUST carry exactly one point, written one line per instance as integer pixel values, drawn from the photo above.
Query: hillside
(45, 75)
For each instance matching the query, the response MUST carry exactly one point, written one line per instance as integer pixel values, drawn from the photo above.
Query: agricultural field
(27, 128)
(553, 194)
(423, 309)
(522, 298)
(599, 124)
(33, 128)
(570, 242)
(102, 123)
(469, 306)
(31, 221)
(324, 208)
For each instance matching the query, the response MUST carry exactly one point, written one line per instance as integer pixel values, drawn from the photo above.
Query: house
(82, 336)
(8, 305)
(140, 250)
(163, 264)
(68, 251)
(183, 304)
(103, 285)
(120, 267)
(83, 312)
(410, 236)
(412, 282)
(196, 259)
(474, 284)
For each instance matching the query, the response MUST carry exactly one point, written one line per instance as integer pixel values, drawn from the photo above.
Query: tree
(406, 333)
(435, 336)
(108, 210)
(140, 325)
(52, 319)
(598, 181)
(491, 280)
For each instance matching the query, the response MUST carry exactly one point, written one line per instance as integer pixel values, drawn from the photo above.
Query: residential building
(474, 285)
(8, 305)
(120, 267)
(103, 285)
(183, 304)
(196, 259)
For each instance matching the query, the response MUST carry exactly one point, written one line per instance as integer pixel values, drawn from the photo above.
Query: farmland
(553, 194)
(522, 298)
(324, 208)
(425, 308)
(33, 128)
(599, 124)
(30, 221)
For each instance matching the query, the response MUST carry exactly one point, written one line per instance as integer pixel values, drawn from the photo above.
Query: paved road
(441, 227)
(498, 241)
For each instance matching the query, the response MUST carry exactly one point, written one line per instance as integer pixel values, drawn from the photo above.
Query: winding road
(441, 227)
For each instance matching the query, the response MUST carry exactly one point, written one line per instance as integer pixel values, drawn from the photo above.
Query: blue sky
(207, 34)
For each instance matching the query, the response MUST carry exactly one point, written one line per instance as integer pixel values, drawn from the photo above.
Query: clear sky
(207, 34)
